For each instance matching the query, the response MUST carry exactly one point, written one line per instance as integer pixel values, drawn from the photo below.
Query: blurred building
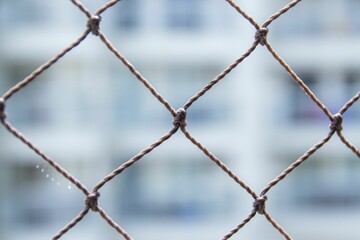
(90, 114)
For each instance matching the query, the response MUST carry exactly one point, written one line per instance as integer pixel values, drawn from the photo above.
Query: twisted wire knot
(94, 24)
(261, 35)
(259, 204)
(2, 109)
(336, 124)
(180, 118)
(92, 201)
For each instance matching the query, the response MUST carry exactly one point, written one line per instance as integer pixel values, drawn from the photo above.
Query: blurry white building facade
(90, 115)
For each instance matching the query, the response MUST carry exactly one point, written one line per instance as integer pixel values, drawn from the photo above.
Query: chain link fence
(180, 121)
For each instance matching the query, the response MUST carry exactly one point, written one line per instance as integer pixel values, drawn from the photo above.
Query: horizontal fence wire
(179, 121)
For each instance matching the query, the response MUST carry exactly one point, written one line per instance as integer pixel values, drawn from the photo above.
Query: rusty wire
(179, 122)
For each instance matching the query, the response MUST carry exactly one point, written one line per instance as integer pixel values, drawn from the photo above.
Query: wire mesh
(179, 121)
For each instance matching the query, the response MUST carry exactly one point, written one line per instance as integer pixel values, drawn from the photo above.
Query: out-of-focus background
(90, 115)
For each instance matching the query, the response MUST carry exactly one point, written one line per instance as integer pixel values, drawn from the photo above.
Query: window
(32, 192)
(20, 108)
(127, 98)
(333, 87)
(306, 19)
(312, 19)
(162, 188)
(352, 82)
(24, 12)
(327, 181)
(352, 13)
(127, 17)
(185, 80)
(24, 178)
(184, 14)
(301, 107)
(352, 86)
